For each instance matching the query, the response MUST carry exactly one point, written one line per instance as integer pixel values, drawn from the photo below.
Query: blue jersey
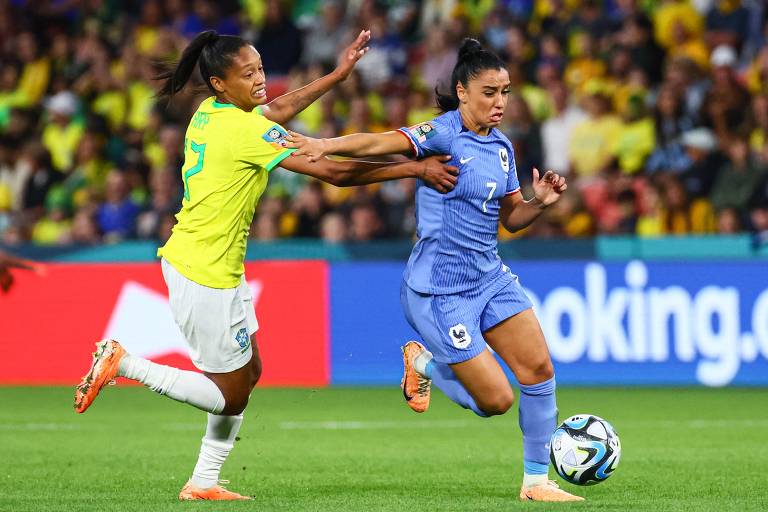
(458, 231)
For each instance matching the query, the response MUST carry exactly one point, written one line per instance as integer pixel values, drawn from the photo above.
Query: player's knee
(538, 371)
(544, 370)
(498, 404)
(234, 407)
(235, 403)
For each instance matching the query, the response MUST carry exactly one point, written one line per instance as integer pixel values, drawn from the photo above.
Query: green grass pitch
(345, 449)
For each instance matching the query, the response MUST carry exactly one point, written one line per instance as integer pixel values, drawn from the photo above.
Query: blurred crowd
(656, 110)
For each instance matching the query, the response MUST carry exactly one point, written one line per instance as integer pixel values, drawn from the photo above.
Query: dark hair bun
(468, 47)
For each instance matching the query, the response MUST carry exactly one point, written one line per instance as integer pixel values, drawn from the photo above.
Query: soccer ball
(585, 450)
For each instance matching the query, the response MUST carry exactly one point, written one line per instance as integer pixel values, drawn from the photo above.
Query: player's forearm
(523, 215)
(358, 145)
(284, 108)
(355, 172)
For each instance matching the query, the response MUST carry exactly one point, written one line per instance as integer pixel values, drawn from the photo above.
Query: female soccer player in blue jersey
(231, 144)
(457, 293)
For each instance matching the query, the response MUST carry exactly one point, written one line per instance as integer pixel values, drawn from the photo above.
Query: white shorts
(217, 323)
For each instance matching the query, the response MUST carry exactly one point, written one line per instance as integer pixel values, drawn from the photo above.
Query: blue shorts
(452, 326)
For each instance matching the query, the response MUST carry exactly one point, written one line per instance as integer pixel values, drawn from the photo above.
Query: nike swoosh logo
(462, 161)
(405, 395)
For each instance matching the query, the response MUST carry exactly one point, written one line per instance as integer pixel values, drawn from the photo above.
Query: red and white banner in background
(49, 324)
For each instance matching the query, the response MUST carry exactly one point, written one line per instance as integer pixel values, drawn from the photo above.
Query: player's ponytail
(212, 52)
(472, 60)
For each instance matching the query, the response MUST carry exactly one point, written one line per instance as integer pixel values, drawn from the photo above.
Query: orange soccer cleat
(215, 493)
(416, 387)
(106, 361)
(549, 491)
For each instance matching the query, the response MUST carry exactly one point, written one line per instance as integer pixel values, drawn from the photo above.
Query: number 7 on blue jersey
(200, 150)
(492, 186)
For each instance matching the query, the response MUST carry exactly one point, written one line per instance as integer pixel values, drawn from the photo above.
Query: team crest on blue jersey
(276, 136)
(423, 131)
(242, 338)
(460, 336)
(504, 157)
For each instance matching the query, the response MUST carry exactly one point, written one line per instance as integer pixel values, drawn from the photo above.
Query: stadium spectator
(324, 36)
(35, 162)
(63, 131)
(592, 140)
(727, 23)
(265, 228)
(85, 231)
(54, 227)
(279, 42)
(737, 180)
(364, 223)
(440, 57)
(556, 131)
(165, 194)
(333, 228)
(310, 206)
(35, 73)
(728, 221)
(670, 121)
(726, 101)
(636, 137)
(117, 214)
(706, 161)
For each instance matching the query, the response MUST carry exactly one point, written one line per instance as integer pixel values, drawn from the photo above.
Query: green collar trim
(216, 104)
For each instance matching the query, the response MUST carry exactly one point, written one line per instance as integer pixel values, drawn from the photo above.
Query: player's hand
(549, 187)
(8, 262)
(437, 174)
(351, 54)
(313, 149)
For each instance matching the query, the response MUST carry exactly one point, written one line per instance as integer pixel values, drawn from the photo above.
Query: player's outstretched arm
(9, 262)
(517, 213)
(356, 145)
(284, 108)
(433, 170)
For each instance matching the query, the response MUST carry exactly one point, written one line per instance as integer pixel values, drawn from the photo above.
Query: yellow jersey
(228, 154)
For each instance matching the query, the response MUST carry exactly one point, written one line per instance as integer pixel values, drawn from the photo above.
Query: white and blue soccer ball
(585, 450)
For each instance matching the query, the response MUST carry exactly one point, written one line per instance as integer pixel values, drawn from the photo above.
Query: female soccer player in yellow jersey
(231, 145)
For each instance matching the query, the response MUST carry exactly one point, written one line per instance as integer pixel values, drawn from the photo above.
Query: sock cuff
(542, 388)
(535, 468)
(429, 368)
(219, 405)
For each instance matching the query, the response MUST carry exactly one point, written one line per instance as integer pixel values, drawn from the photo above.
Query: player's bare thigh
(485, 380)
(520, 342)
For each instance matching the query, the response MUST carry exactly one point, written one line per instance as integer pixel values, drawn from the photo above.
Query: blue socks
(538, 419)
(443, 377)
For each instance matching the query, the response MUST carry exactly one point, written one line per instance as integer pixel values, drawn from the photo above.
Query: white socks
(420, 363)
(531, 480)
(184, 386)
(218, 442)
(199, 391)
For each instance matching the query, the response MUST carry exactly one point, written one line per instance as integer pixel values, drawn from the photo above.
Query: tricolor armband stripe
(402, 132)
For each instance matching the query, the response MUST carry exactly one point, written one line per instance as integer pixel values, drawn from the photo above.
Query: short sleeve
(429, 138)
(513, 183)
(261, 142)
